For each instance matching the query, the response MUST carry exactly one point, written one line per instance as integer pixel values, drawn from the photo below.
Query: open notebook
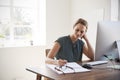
(70, 67)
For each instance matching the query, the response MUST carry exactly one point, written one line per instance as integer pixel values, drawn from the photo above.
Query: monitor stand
(118, 47)
(114, 66)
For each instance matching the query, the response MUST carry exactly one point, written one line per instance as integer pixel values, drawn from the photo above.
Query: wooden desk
(94, 74)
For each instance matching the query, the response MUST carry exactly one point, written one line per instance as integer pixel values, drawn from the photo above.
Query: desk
(94, 74)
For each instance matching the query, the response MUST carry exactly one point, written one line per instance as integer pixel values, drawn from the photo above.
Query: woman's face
(79, 30)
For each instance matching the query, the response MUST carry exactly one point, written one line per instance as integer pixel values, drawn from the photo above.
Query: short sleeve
(60, 40)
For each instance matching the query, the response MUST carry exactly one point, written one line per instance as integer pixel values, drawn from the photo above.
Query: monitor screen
(107, 33)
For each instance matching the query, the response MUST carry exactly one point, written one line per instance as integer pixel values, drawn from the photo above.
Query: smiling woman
(21, 24)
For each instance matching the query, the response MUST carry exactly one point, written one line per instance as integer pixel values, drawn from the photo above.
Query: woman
(70, 48)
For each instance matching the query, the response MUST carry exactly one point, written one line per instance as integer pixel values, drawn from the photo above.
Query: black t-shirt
(72, 52)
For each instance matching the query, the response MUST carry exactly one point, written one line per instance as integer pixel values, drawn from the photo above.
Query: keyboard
(93, 63)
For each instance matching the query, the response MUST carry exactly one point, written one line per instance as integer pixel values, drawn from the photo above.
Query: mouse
(88, 66)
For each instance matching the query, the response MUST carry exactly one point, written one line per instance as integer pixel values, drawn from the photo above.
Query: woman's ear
(86, 30)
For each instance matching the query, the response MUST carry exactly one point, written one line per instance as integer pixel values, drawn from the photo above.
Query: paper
(75, 68)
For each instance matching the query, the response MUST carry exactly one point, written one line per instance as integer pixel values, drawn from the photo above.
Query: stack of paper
(75, 68)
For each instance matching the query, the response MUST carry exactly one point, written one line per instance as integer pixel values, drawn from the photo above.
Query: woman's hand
(61, 62)
(85, 37)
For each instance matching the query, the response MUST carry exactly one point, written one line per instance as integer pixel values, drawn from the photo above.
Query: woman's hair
(81, 21)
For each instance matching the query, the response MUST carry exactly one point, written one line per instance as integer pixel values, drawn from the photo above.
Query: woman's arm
(87, 48)
(51, 55)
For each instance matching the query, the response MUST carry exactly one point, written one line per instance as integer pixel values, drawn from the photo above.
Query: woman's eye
(77, 30)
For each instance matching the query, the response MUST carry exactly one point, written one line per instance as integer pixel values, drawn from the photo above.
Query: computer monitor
(108, 32)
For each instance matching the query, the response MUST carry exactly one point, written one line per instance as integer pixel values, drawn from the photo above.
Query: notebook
(73, 67)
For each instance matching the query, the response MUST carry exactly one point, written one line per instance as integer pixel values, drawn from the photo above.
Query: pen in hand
(61, 62)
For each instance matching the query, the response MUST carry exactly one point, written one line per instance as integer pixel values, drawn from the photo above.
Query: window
(22, 23)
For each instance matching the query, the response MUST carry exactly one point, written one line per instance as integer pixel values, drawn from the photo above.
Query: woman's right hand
(61, 62)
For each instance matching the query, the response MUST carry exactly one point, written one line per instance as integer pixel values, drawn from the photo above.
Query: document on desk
(70, 67)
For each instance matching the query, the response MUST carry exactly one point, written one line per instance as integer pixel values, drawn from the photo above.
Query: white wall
(60, 15)
(119, 10)
(81, 8)
(57, 19)
(114, 10)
